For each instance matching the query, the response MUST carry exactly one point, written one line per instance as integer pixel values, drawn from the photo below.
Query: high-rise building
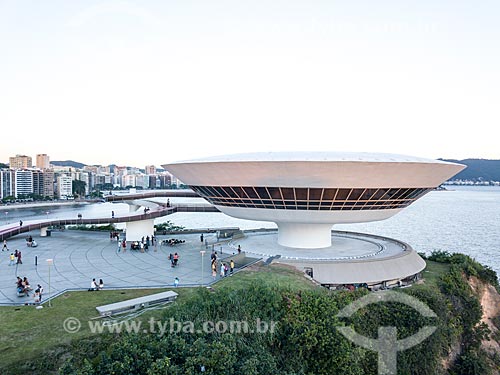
(150, 169)
(91, 168)
(128, 180)
(37, 181)
(48, 183)
(141, 180)
(20, 162)
(23, 182)
(42, 161)
(153, 182)
(64, 186)
(6, 183)
(165, 180)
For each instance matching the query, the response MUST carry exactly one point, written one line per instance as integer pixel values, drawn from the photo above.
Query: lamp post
(202, 252)
(49, 262)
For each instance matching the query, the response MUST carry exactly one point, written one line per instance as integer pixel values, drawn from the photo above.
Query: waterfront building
(306, 193)
(48, 183)
(128, 180)
(142, 180)
(64, 186)
(165, 180)
(6, 183)
(37, 176)
(153, 182)
(23, 182)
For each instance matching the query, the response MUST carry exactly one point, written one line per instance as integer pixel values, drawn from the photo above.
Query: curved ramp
(160, 211)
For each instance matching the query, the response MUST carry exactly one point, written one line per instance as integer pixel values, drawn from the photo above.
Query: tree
(78, 187)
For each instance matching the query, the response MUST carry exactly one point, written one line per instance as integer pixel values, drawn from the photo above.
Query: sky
(151, 82)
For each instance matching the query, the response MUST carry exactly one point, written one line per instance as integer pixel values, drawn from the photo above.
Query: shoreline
(4, 207)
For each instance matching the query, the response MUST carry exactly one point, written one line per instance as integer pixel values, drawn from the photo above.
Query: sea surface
(460, 219)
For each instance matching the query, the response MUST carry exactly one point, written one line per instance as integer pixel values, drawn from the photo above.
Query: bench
(136, 303)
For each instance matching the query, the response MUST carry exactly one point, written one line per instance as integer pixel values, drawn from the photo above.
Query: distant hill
(68, 163)
(478, 169)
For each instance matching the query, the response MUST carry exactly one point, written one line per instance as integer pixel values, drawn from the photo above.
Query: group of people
(225, 268)
(95, 286)
(15, 258)
(174, 259)
(30, 242)
(172, 241)
(23, 289)
(114, 235)
(143, 244)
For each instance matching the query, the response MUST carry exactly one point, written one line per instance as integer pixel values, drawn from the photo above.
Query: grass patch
(433, 272)
(278, 275)
(27, 332)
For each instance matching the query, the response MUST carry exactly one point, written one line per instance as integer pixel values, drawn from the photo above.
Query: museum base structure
(351, 259)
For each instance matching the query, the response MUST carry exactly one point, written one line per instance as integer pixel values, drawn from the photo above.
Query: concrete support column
(43, 232)
(305, 236)
(135, 230)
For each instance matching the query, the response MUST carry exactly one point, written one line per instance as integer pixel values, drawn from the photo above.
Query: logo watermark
(172, 326)
(387, 344)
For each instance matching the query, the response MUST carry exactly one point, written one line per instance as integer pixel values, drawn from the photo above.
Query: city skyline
(121, 165)
(156, 82)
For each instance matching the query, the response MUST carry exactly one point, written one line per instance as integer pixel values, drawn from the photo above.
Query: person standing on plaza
(176, 282)
(222, 265)
(231, 267)
(12, 259)
(201, 238)
(5, 245)
(214, 270)
(40, 290)
(19, 260)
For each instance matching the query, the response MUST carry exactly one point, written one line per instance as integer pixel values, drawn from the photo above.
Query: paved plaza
(80, 256)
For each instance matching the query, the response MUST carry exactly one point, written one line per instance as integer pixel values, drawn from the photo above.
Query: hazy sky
(150, 82)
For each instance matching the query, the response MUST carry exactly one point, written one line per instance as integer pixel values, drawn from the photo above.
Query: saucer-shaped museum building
(305, 194)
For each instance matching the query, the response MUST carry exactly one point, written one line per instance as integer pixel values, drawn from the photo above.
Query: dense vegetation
(467, 311)
(306, 339)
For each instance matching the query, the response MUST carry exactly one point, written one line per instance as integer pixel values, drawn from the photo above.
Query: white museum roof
(313, 156)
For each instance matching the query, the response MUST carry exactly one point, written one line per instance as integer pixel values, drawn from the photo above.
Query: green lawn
(434, 271)
(26, 331)
(274, 275)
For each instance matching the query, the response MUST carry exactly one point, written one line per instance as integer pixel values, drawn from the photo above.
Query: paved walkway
(80, 256)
